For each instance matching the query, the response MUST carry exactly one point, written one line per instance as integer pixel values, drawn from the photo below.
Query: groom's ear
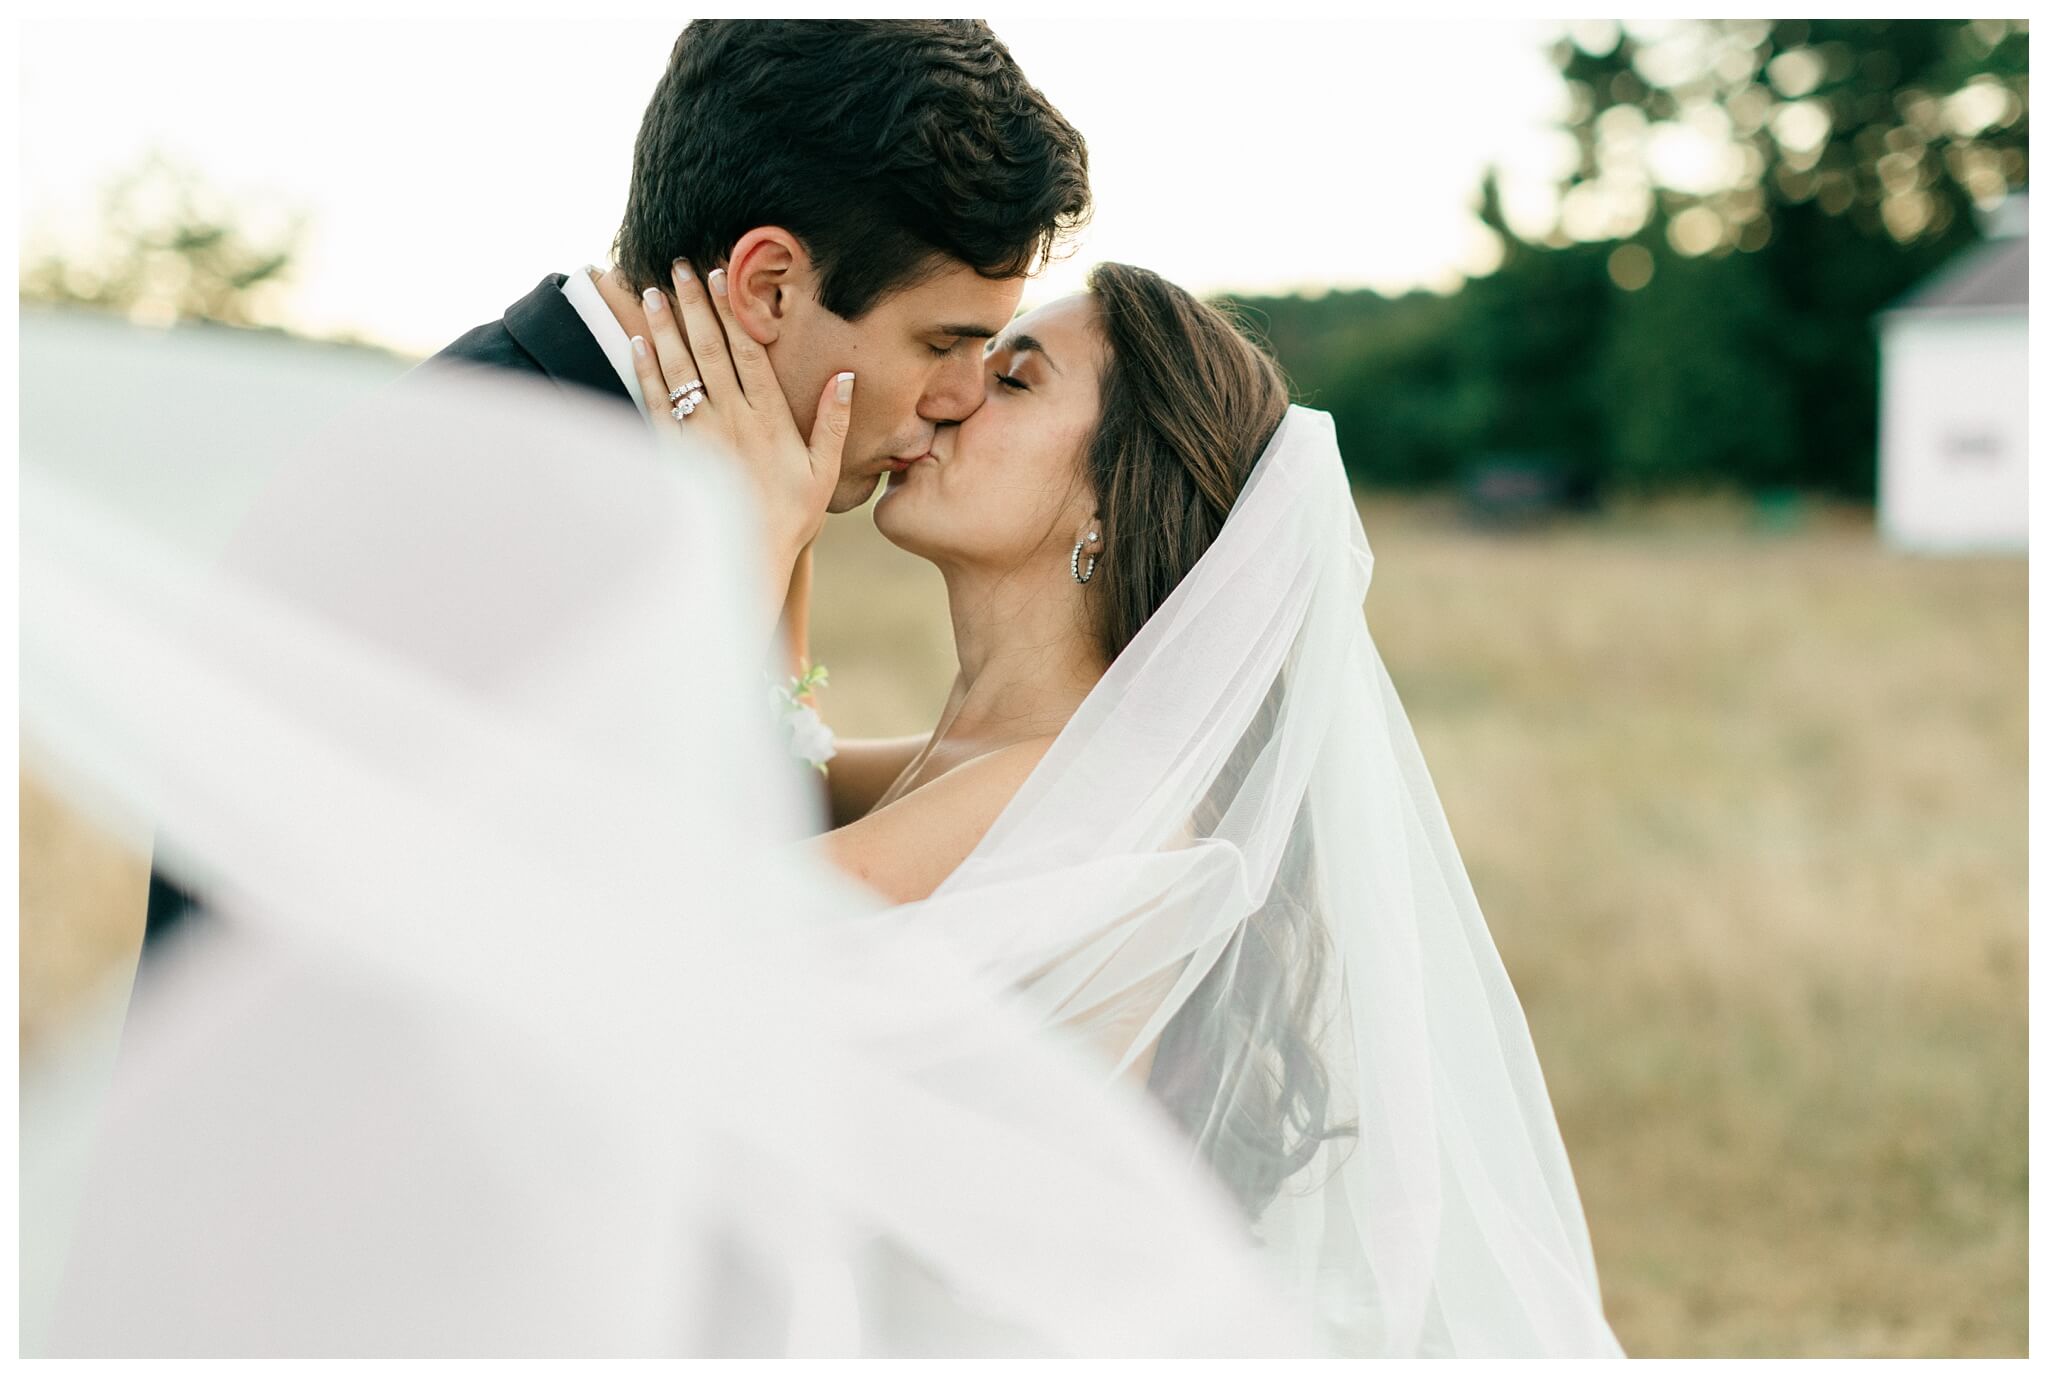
(766, 271)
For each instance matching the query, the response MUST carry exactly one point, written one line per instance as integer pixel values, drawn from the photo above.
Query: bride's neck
(1027, 656)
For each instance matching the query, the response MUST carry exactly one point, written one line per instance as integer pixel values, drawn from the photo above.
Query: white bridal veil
(518, 1026)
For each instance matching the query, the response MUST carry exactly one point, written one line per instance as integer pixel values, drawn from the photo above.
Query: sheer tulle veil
(519, 1026)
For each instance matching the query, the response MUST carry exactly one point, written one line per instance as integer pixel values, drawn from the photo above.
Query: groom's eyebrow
(967, 332)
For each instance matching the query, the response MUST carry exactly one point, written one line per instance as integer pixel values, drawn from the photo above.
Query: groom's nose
(956, 391)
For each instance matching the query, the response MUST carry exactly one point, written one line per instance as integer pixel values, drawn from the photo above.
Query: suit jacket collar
(546, 326)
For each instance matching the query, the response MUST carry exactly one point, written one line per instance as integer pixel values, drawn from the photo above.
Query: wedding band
(687, 398)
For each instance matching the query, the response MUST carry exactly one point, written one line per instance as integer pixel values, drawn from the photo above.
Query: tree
(1846, 156)
(1527, 340)
(1687, 383)
(171, 249)
(1697, 312)
(1384, 369)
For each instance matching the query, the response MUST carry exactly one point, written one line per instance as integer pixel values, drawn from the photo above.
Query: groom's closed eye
(947, 338)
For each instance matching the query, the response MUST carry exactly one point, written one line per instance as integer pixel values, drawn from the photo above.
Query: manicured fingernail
(682, 269)
(652, 296)
(846, 387)
(717, 281)
(639, 348)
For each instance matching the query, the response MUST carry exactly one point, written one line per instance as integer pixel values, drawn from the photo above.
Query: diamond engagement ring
(687, 398)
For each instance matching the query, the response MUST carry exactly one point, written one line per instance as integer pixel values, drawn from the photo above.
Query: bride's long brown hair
(1189, 403)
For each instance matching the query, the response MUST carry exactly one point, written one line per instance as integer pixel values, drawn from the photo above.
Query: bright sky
(447, 165)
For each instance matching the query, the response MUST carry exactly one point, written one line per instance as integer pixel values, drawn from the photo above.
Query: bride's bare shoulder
(863, 770)
(905, 848)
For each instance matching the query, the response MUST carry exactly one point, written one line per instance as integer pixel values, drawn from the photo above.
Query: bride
(1173, 804)
(1163, 1019)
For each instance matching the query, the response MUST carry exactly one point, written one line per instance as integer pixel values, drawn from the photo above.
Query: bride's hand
(740, 405)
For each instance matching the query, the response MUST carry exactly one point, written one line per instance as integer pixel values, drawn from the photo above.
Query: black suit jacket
(540, 333)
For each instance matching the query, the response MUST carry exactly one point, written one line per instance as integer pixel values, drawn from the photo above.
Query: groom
(877, 191)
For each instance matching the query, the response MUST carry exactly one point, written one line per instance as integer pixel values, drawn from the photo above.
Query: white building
(1952, 421)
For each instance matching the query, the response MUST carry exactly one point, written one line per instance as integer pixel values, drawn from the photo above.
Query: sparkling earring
(1083, 576)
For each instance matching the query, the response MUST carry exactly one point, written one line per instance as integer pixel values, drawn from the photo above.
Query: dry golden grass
(82, 897)
(1747, 816)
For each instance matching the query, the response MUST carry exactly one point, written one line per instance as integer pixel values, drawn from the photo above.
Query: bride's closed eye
(1013, 383)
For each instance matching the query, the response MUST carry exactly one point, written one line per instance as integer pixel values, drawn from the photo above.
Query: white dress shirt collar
(580, 287)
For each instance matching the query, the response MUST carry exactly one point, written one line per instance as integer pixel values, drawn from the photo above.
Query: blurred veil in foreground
(517, 1026)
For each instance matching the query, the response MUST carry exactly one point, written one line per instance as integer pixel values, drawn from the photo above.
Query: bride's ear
(766, 270)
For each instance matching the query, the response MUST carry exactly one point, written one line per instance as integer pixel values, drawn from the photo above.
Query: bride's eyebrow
(1020, 343)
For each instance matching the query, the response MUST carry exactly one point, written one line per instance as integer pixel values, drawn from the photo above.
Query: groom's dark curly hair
(888, 146)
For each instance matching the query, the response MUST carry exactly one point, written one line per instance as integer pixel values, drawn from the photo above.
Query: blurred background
(1681, 370)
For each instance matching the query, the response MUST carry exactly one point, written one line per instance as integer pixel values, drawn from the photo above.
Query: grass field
(1746, 813)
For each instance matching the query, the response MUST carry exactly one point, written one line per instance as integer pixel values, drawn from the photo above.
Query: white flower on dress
(805, 733)
(810, 740)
